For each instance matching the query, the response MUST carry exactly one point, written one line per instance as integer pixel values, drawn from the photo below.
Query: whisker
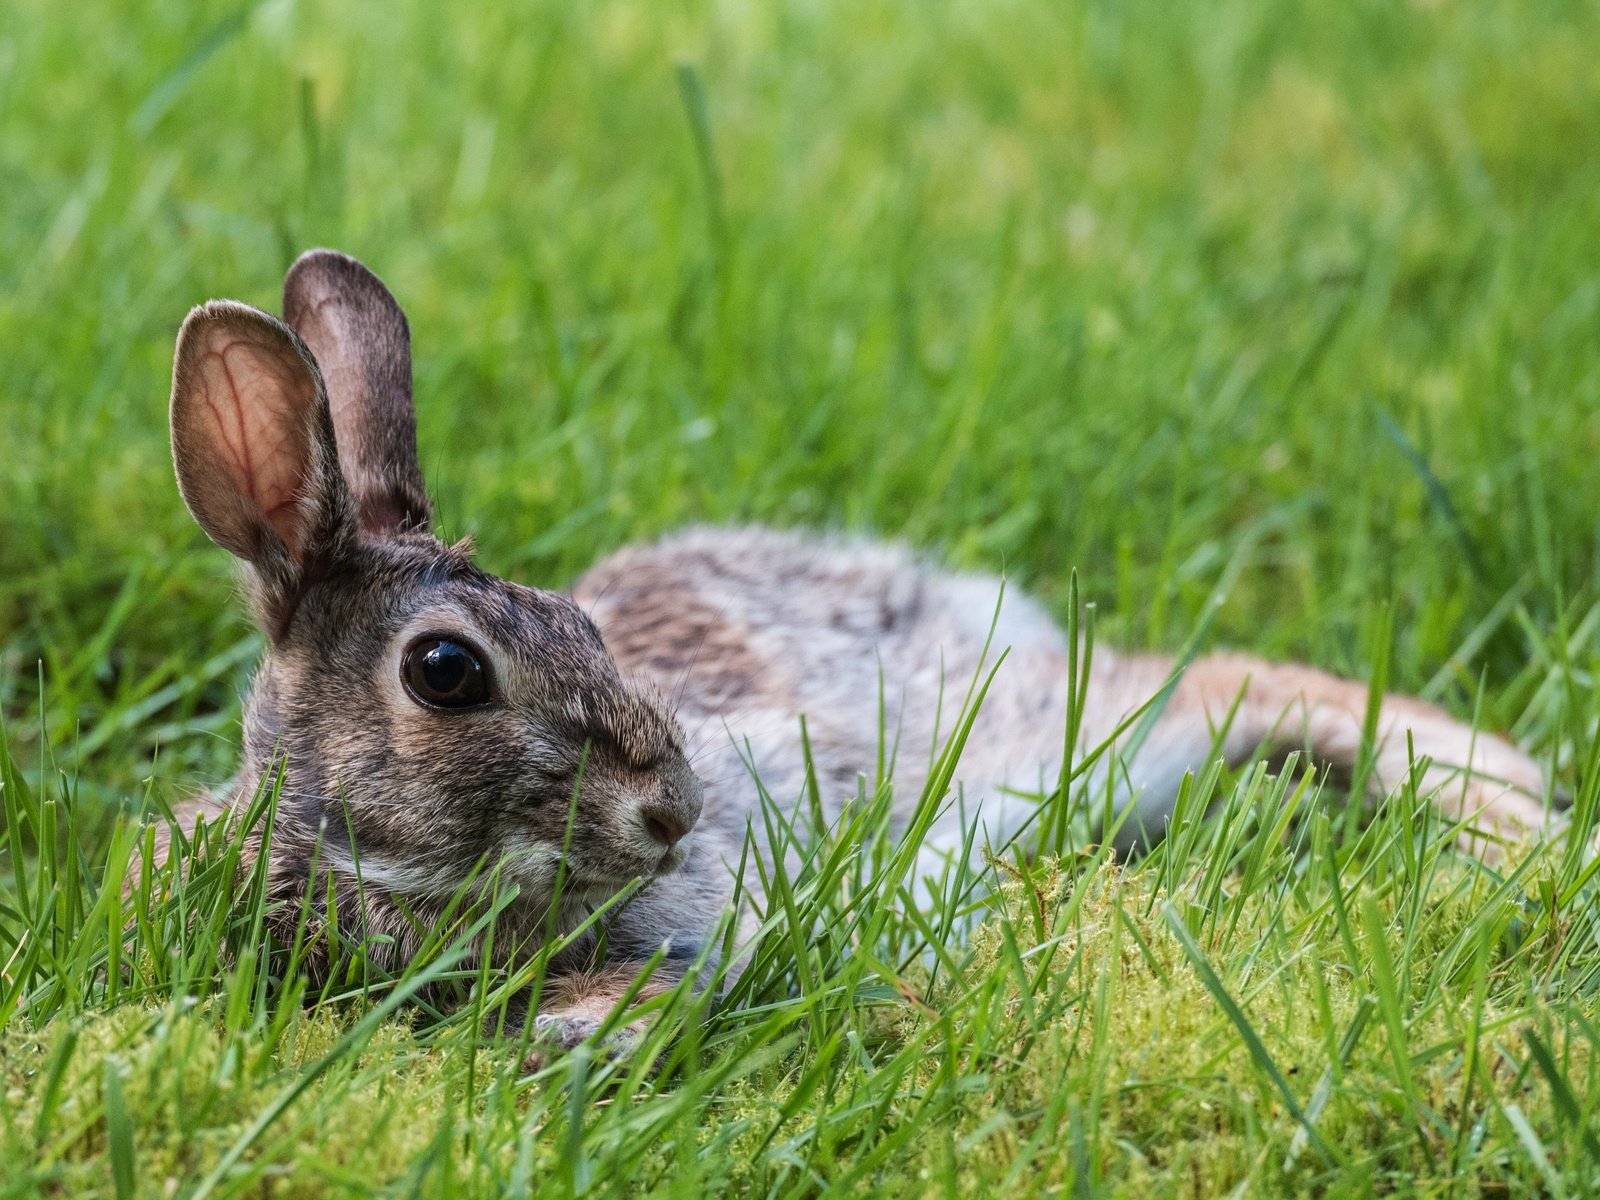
(601, 596)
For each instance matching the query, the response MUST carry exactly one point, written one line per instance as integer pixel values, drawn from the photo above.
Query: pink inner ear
(257, 400)
(328, 330)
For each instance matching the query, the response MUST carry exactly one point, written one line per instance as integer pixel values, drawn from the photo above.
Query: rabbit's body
(750, 630)
(428, 718)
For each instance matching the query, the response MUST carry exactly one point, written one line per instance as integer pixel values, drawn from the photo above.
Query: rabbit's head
(427, 716)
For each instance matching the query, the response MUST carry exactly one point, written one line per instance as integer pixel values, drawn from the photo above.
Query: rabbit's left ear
(358, 334)
(254, 449)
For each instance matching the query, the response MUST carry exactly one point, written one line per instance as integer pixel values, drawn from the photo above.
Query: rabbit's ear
(255, 453)
(358, 333)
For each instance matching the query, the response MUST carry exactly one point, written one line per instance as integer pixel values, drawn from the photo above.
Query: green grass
(1272, 320)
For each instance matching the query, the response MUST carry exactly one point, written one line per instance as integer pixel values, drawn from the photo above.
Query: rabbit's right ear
(358, 333)
(255, 454)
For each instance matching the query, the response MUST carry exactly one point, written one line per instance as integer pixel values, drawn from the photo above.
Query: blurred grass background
(1133, 288)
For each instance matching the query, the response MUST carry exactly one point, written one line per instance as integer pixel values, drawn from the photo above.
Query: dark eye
(444, 674)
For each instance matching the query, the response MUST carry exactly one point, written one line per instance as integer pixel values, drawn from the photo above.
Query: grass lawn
(1276, 322)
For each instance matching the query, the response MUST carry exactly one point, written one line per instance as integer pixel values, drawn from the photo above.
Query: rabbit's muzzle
(666, 819)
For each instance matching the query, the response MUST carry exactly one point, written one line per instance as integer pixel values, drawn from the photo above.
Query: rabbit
(427, 717)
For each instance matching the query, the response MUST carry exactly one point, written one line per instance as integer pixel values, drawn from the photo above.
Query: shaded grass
(1275, 321)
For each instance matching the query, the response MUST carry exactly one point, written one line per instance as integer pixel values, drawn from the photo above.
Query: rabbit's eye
(444, 674)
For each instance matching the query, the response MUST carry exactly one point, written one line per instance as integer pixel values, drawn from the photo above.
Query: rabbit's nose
(665, 826)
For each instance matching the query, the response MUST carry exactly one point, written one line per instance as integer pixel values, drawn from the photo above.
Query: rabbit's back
(748, 630)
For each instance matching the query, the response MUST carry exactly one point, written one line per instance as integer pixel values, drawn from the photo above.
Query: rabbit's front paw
(579, 1004)
(557, 1033)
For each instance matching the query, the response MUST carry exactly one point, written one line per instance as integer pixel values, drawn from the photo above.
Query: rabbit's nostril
(665, 828)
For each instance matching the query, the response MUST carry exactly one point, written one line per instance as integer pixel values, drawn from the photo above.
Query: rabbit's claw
(558, 1033)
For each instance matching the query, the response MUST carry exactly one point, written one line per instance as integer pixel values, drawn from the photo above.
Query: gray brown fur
(316, 488)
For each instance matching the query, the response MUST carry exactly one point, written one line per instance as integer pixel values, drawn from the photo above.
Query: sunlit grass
(1259, 999)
